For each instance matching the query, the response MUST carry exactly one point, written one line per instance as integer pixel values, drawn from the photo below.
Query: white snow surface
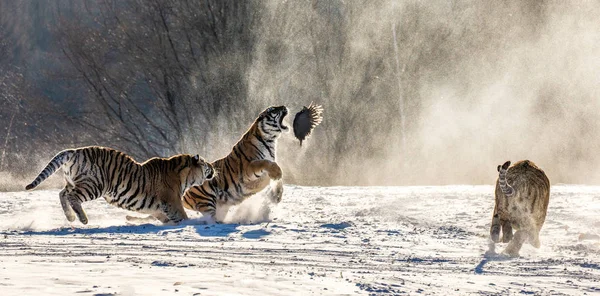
(317, 241)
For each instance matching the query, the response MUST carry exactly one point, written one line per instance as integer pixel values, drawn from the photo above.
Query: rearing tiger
(249, 168)
(153, 187)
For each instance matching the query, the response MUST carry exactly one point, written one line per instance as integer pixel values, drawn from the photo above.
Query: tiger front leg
(495, 228)
(257, 167)
(200, 201)
(275, 191)
(207, 209)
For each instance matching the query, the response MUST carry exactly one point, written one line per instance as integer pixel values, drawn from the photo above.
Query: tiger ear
(195, 159)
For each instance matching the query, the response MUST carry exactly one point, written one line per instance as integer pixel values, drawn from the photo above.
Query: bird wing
(306, 120)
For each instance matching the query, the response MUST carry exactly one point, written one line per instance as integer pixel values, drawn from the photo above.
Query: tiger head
(270, 121)
(199, 171)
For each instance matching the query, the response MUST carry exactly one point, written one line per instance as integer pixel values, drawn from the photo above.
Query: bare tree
(156, 73)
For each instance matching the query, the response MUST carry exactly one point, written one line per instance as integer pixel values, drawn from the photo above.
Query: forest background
(414, 92)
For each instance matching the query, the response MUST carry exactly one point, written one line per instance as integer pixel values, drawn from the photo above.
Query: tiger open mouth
(284, 113)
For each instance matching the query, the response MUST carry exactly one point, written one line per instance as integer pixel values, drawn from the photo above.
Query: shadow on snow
(219, 230)
(256, 234)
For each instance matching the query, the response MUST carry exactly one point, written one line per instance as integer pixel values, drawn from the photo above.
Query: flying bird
(306, 120)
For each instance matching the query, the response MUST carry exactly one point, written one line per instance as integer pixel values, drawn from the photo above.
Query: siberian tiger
(249, 168)
(153, 187)
(522, 196)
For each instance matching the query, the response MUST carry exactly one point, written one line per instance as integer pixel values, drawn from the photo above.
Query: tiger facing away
(522, 196)
(249, 168)
(153, 187)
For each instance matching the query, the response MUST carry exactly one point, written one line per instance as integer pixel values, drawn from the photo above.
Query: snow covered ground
(318, 241)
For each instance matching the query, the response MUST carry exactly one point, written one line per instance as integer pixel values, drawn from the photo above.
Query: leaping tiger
(153, 187)
(249, 168)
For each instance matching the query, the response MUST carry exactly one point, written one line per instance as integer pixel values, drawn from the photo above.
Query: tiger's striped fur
(153, 187)
(249, 168)
(522, 197)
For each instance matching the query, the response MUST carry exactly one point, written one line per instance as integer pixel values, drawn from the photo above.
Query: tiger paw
(275, 171)
(507, 237)
(495, 237)
(70, 216)
(275, 194)
(511, 252)
(495, 233)
(535, 242)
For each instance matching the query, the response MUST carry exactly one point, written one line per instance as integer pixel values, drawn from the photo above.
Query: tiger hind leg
(221, 212)
(495, 229)
(210, 212)
(212, 216)
(516, 243)
(507, 233)
(534, 238)
(75, 199)
(207, 208)
(66, 205)
(200, 202)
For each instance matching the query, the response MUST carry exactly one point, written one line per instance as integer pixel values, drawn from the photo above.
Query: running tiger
(249, 168)
(153, 187)
(522, 196)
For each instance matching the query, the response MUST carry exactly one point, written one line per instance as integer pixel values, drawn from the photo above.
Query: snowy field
(318, 241)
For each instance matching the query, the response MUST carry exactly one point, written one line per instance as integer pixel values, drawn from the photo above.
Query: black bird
(306, 120)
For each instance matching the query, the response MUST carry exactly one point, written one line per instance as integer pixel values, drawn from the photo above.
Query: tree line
(161, 77)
